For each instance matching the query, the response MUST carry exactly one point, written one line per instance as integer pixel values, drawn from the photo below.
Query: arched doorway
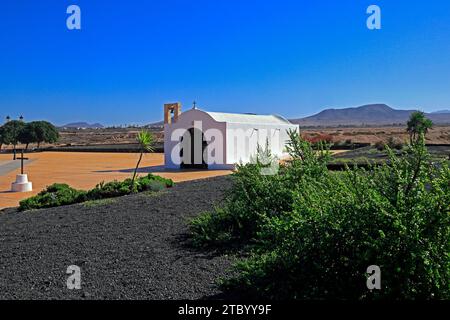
(189, 142)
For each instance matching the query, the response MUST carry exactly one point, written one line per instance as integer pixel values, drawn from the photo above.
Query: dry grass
(438, 135)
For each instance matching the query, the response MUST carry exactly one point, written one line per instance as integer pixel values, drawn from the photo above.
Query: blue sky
(293, 58)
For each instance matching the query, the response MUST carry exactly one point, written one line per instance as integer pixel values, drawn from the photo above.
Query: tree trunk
(14, 152)
(135, 170)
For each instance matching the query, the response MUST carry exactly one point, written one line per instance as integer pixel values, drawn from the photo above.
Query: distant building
(201, 139)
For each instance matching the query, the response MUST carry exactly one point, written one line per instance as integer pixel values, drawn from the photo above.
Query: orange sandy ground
(85, 170)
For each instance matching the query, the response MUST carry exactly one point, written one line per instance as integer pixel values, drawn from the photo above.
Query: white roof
(247, 118)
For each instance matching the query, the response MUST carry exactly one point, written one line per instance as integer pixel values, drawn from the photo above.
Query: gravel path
(131, 248)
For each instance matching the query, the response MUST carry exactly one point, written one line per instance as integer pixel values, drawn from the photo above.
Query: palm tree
(146, 142)
(418, 124)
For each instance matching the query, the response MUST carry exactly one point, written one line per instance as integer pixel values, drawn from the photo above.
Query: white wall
(186, 121)
(239, 140)
(243, 139)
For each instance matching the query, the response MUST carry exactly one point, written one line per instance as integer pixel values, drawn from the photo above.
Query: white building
(201, 139)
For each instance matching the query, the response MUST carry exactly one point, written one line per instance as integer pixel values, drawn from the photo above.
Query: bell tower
(169, 109)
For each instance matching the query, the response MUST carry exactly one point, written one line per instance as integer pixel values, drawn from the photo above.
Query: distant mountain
(441, 112)
(372, 114)
(83, 125)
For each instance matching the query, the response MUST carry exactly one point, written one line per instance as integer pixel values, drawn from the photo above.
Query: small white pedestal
(21, 184)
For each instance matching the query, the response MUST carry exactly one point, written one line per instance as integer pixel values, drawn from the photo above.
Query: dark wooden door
(191, 163)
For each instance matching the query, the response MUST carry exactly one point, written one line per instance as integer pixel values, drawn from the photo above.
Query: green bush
(155, 186)
(153, 183)
(109, 190)
(53, 196)
(255, 197)
(61, 194)
(335, 225)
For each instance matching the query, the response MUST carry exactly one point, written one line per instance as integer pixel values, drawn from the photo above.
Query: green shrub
(256, 197)
(338, 229)
(109, 190)
(54, 196)
(120, 188)
(156, 186)
(153, 183)
(395, 216)
(241, 216)
(61, 194)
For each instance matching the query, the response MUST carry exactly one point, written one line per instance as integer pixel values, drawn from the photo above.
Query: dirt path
(132, 248)
(8, 166)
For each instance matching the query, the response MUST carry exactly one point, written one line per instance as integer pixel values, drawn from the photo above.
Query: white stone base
(22, 184)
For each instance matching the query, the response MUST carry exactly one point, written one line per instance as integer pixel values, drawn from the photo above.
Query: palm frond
(146, 140)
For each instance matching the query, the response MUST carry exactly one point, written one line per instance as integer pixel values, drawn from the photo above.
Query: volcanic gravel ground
(134, 247)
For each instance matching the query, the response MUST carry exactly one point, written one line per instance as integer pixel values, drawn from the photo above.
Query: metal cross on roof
(194, 105)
